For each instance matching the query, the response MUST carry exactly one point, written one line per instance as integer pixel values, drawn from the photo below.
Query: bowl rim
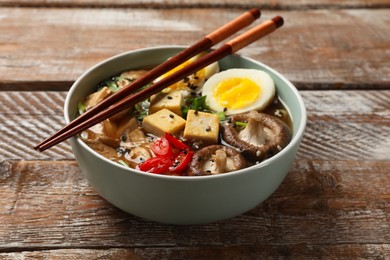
(293, 142)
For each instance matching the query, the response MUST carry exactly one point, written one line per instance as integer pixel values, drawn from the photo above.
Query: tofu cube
(163, 121)
(202, 126)
(172, 101)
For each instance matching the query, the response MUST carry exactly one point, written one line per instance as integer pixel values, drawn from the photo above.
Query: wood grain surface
(315, 49)
(266, 4)
(326, 192)
(334, 202)
(60, 210)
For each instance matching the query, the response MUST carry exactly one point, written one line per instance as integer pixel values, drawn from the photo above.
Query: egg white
(262, 79)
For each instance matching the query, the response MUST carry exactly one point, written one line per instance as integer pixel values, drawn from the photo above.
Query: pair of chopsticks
(125, 98)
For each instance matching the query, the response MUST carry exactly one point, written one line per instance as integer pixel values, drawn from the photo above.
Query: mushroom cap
(263, 137)
(215, 159)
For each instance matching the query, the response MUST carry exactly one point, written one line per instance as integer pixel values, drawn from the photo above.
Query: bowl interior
(147, 58)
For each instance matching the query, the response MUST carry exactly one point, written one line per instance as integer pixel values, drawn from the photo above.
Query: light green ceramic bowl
(182, 200)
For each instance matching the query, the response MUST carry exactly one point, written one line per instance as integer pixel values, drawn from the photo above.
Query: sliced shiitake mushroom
(134, 138)
(215, 159)
(262, 137)
(137, 155)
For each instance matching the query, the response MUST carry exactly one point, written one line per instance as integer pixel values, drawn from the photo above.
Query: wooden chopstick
(230, 47)
(204, 44)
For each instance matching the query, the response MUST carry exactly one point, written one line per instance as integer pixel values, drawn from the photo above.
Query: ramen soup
(209, 123)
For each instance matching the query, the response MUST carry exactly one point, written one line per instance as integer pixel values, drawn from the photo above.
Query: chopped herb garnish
(194, 103)
(146, 86)
(242, 124)
(111, 83)
(142, 115)
(113, 86)
(184, 111)
(221, 116)
(199, 103)
(81, 107)
(121, 162)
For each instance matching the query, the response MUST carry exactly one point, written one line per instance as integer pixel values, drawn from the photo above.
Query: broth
(126, 139)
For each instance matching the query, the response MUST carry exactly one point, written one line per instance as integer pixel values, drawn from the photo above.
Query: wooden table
(335, 201)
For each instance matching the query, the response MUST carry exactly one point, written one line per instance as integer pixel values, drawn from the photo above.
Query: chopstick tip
(255, 13)
(37, 148)
(278, 20)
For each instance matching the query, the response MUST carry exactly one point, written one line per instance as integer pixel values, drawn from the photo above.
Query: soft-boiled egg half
(237, 91)
(194, 82)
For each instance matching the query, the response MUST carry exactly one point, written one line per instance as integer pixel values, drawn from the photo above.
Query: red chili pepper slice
(161, 147)
(172, 155)
(181, 161)
(159, 164)
(176, 142)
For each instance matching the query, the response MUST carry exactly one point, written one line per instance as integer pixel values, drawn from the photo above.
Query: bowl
(182, 199)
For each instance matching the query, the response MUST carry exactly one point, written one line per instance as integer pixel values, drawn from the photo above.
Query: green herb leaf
(142, 88)
(199, 103)
(81, 107)
(111, 83)
(221, 116)
(184, 111)
(242, 124)
(113, 86)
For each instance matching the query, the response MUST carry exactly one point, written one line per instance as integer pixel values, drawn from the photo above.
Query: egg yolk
(192, 80)
(236, 93)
